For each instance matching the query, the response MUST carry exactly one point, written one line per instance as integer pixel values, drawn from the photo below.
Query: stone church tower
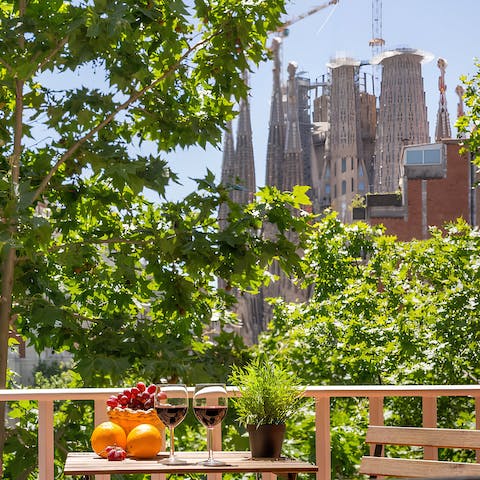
(402, 114)
(274, 171)
(348, 174)
(244, 158)
(293, 160)
(293, 171)
(344, 139)
(276, 128)
(228, 170)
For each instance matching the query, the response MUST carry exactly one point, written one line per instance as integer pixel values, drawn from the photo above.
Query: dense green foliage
(145, 310)
(382, 312)
(385, 311)
(468, 124)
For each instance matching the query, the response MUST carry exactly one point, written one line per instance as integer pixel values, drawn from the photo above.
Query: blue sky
(444, 28)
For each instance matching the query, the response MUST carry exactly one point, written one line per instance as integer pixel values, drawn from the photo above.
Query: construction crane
(283, 29)
(377, 42)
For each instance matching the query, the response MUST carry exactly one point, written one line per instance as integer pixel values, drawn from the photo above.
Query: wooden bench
(378, 465)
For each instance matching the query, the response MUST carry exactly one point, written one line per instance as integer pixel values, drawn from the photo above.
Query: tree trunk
(7, 272)
(10, 254)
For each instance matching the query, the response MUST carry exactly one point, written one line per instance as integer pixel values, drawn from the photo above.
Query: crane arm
(293, 20)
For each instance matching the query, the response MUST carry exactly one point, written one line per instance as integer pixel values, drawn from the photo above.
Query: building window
(327, 172)
(427, 155)
(344, 164)
(334, 191)
(327, 189)
(361, 187)
(353, 185)
(360, 171)
(351, 162)
(344, 187)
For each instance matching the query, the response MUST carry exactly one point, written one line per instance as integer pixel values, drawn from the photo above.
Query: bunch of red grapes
(115, 453)
(139, 397)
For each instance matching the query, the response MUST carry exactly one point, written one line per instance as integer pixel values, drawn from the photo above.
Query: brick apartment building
(438, 186)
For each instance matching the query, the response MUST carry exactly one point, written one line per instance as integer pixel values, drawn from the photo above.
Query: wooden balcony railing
(321, 394)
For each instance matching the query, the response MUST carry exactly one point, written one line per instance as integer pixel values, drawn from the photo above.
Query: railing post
(429, 419)
(101, 414)
(375, 415)
(45, 440)
(322, 438)
(477, 424)
(156, 476)
(375, 411)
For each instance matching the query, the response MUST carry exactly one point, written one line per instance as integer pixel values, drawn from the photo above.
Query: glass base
(211, 462)
(173, 461)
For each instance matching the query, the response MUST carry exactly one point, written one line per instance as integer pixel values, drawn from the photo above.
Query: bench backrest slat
(401, 467)
(424, 437)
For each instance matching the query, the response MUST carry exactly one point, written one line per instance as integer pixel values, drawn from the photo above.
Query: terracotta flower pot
(266, 440)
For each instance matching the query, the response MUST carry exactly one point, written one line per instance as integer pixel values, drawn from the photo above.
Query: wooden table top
(89, 463)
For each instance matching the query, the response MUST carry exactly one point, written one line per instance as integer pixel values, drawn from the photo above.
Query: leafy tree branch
(133, 98)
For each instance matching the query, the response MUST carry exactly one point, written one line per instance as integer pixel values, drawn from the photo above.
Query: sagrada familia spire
(244, 159)
(228, 170)
(238, 165)
(284, 170)
(292, 168)
(292, 162)
(276, 130)
(348, 173)
(443, 129)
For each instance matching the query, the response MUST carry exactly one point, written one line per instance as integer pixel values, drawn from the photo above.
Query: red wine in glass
(210, 404)
(171, 415)
(211, 415)
(171, 405)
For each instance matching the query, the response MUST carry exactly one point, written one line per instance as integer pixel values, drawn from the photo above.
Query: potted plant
(267, 396)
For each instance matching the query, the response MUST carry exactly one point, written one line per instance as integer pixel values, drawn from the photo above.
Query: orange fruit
(107, 434)
(144, 441)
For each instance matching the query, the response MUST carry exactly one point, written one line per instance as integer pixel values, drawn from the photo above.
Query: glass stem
(210, 443)
(172, 453)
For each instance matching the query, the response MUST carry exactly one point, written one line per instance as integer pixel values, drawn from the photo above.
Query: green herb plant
(267, 393)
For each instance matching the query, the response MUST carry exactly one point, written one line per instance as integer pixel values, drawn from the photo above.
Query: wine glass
(171, 404)
(210, 405)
